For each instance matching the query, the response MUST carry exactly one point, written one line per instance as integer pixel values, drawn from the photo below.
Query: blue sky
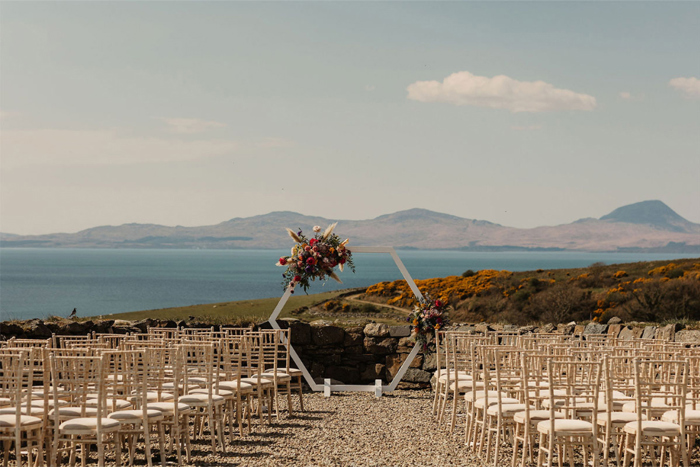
(192, 113)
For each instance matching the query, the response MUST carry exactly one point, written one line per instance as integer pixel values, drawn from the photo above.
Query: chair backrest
(167, 334)
(76, 379)
(197, 360)
(231, 331)
(63, 341)
(573, 383)
(660, 380)
(28, 343)
(112, 341)
(16, 379)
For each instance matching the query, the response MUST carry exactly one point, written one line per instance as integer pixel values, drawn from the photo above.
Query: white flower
(317, 228)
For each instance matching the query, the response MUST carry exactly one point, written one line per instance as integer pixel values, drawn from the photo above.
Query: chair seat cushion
(452, 373)
(135, 414)
(222, 392)
(255, 381)
(294, 372)
(507, 410)
(561, 402)
(33, 410)
(654, 428)
(566, 427)
(481, 403)
(169, 386)
(464, 385)
(75, 412)
(10, 421)
(196, 380)
(656, 403)
(617, 417)
(88, 424)
(4, 402)
(692, 417)
(200, 400)
(110, 404)
(234, 386)
(535, 416)
(281, 377)
(476, 395)
(153, 396)
(169, 407)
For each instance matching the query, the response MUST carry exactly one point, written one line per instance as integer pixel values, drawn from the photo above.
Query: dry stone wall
(355, 355)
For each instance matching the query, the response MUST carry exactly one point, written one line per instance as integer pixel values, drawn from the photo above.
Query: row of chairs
(557, 397)
(163, 388)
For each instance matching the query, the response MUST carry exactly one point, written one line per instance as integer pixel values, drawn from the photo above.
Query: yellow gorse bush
(446, 289)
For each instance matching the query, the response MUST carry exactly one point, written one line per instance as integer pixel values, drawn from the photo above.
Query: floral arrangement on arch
(315, 258)
(427, 317)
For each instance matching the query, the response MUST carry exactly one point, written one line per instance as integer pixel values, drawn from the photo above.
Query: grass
(299, 306)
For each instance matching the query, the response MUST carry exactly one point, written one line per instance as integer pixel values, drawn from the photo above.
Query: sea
(41, 282)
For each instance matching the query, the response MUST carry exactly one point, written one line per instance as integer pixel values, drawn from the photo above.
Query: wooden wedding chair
(666, 380)
(297, 376)
(570, 383)
(618, 389)
(263, 387)
(501, 408)
(16, 424)
(74, 378)
(459, 379)
(128, 374)
(198, 369)
(232, 367)
(534, 373)
(276, 366)
(166, 383)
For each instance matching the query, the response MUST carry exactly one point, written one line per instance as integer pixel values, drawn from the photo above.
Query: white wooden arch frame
(378, 388)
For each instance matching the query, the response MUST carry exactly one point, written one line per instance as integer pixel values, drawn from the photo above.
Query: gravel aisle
(349, 429)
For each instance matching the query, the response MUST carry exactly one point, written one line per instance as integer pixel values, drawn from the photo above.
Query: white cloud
(626, 95)
(526, 127)
(191, 125)
(688, 86)
(100, 147)
(499, 92)
(370, 87)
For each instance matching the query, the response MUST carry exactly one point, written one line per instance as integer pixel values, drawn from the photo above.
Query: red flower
(313, 241)
(297, 278)
(438, 303)
(283, 261)
(311, 261)
(342, 261)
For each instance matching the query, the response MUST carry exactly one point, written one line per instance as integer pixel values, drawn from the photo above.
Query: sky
(193, 113)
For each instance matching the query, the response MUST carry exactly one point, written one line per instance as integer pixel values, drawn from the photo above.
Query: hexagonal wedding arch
(327, 387)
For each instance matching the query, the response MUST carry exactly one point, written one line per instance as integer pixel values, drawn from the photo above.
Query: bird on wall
(73, 313)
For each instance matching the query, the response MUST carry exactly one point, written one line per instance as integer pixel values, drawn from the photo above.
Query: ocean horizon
(40, 282)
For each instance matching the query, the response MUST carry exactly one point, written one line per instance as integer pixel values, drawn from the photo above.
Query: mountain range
(649, 226)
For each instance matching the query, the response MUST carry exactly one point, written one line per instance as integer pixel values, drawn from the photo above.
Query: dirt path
(355, 298)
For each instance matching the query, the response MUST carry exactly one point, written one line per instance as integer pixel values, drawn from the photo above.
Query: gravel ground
(347, 429)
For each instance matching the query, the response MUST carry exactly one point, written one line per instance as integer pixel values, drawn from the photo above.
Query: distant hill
(645, 226)
(654, 213)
